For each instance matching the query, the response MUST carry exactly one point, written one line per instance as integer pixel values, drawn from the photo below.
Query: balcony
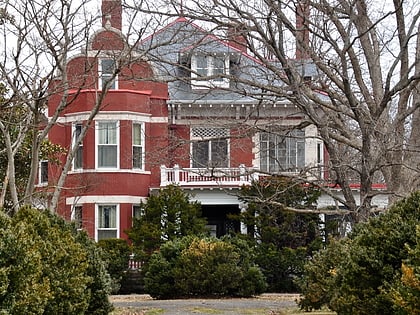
(207, 177)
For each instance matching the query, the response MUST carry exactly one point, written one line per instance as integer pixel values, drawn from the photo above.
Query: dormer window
(106, 74)
(209, 71)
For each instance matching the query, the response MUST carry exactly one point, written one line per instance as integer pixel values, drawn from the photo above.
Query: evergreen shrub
(360, 274)
(193, 266)
(116, 253)
(48, 267)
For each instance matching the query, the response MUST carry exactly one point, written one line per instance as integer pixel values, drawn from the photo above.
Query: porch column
(244, 228)
(163, 176)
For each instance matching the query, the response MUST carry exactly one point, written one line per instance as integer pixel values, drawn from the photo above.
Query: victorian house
(177, 111)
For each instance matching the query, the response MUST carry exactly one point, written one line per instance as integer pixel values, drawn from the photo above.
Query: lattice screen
(202, 132)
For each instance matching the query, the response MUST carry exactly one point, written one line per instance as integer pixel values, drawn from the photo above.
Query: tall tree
(352, 69)
(166, 216)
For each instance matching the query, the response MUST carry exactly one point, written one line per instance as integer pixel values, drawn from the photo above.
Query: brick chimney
(302, 29)
(236, 37)
(112, 13)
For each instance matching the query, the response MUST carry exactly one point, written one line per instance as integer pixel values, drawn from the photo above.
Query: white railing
(236, 176)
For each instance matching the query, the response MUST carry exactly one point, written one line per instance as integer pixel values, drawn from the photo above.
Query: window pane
(201, 65)
(107, 217)
(78, 216)
(107, 156)
(77, 131)
(107, 71)
(264, 156)
(136, 134)
(105, 234)
(218, 68)
(200, 154)
(107, 133)
(137, 157)
(78, 158)
(282, 152)
(137, 211)
(108, 66)
(44, 171)
(219, 153)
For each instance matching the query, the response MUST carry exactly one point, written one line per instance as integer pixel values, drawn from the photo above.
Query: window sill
(108, 170)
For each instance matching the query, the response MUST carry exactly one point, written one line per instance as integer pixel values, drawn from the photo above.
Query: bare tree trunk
(4, 187)
(10, 168)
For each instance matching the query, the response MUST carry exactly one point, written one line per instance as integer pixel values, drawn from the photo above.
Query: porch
(207, 177)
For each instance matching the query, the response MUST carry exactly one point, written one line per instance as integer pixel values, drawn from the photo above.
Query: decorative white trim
(113, 115)
(104, 170)
(104, 199)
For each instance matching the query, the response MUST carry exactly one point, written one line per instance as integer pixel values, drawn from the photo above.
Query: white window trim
(208, 83)
(117, 127)
(100, 82)
(142, 140)
(40, 181)
(194, 138)
(117, 206)
(73, 141)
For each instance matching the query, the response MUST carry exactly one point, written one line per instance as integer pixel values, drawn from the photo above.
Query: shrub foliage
(116, 253)
(358, 275)
(283, 239)
(47, 267)
(166, 216)
(191, 266)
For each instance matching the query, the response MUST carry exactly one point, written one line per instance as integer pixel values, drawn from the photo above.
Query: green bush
(47, 267)
(281, 267)
(406, 293)
(283, 239)
(166, 216)
(356, 275)
(192, 266)
(116, 253)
